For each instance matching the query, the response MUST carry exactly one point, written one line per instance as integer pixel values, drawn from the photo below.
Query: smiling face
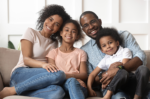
(108, 45)
(69, 33)
(90, 25)
(51, 25)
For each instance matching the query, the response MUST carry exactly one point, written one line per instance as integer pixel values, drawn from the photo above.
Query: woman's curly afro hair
(49, 11)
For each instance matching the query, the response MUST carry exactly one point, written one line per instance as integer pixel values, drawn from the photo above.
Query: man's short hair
(88, 12)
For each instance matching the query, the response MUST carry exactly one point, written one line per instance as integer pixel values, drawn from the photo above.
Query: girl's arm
(82, 72)
(91, 78)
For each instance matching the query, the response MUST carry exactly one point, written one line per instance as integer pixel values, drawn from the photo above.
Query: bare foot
(7, 91)
(104, 98)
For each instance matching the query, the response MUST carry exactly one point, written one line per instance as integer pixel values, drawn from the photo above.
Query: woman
(30, 76)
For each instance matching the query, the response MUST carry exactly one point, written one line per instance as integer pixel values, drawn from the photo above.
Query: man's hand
(108, 76)
(115, 65)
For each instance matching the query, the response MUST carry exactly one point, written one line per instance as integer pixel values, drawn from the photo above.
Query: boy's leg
(118, 95)
(116, 83)
(72, 86)
(120, 79)
(25, 79)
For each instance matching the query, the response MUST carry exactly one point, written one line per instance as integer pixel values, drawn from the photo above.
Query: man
(138, 80)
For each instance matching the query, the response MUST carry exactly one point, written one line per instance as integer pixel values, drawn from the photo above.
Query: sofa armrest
(1, 83)
(8, 60)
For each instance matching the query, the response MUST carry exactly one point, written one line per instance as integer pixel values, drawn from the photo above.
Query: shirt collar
(93, 42)
(117, 53)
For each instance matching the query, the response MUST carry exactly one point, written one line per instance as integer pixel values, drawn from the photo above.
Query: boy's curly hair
(49, 11)
(112, 32)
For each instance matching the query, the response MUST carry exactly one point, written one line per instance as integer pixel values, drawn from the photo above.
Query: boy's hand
(82, 83)
(92, 93)
(50, 67)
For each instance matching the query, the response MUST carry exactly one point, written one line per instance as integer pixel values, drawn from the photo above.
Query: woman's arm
(27, 52)
(82, 72)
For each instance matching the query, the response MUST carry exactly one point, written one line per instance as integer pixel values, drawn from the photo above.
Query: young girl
(30, 76)
(71, 60)
(109, 42)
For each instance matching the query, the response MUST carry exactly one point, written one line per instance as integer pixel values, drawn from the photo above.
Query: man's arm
(139, 56)
(133, 64)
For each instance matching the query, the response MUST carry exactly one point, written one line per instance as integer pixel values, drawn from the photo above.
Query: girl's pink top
(68, 62)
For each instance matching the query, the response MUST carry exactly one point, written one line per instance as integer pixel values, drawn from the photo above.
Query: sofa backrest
(10, 57)
(147, 52)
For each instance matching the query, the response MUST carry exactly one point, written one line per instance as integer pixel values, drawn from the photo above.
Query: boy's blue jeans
(37, 82)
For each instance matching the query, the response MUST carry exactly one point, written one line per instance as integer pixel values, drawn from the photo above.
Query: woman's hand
(50, 67)
(82, 83)
(92, 93)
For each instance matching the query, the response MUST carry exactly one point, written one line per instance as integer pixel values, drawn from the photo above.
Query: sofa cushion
(8, 59)
(147, 52)
(1, 83)
(25, 97)
(20, 97)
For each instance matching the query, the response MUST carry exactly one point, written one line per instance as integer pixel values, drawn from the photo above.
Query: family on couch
(47, 71)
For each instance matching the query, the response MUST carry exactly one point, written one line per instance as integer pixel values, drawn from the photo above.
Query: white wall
(132, 15)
